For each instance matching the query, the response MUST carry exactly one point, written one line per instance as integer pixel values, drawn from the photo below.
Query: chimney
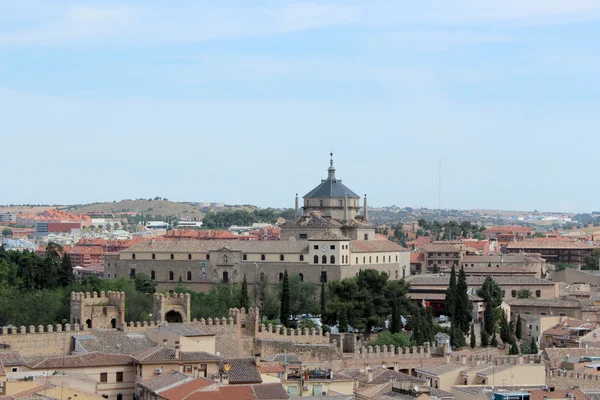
(369, 374)
(366, 215)
(177, 350)
(257, 359)
(164, 342)
(346, 207)
(296, 205)
(396, 366)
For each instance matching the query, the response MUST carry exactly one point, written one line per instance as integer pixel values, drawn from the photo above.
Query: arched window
(133, 256)
(281, 277)
(189, 256)
(153, 256)
(316, 259)
(172, 256)
(262, 257)
(208, 256)
(281, 258)
(324, 259)
(301, 257)
(152, 275)
(189, 275)
(262, 276)
(171, 275)
(301, 276)
(332, 259)
(244, 257)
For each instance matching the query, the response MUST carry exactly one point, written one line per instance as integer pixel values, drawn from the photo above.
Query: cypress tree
(451, 293)
(485, 339)
(464, 308)
(534, 348)
(494, 341)
(66, 276)
(244, 297)
(343, 320)
(284, 315)
(505, 333)
(395, 324)
(514, 349)
(519, 328)
(473, 339)
(323, 300)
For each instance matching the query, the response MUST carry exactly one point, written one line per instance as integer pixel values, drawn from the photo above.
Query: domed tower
(332, 198)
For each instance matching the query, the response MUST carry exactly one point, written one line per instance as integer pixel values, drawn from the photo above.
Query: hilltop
(162, 208)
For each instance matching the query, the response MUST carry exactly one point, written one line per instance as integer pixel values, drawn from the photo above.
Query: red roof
(417, 257)
(224, 393)
(184, 391)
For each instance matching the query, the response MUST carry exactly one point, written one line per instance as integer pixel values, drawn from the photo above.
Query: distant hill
(154, 207)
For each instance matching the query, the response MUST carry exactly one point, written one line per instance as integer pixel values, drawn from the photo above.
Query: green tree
(533, 346)
(457, 338)
(592, 260)
(244, 301)
(284, 315)
(464, 307)
(492, 295)
(343, 319)
(387, 338)
(523, 293)
(485, 339)
(451, 293)
(323, 299)
(473, 338)
(514, 350)
(436, 269)
(144, 284)
(505, 332)
(494, 341)
(563, 265)
(519, 328)
(307, 323)
(65, 276)
(6, 232)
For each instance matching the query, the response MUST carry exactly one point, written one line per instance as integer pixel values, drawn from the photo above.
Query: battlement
(33, 329)
(81, 296)
(98, 310)
(172, 296)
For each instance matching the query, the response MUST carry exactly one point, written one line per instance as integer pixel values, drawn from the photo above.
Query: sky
(241, 102)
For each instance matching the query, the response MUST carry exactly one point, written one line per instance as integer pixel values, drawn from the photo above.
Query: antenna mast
(440, 190)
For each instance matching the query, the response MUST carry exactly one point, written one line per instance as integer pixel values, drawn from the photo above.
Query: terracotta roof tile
(243, 370)
(184, 390)
(269, 391)
(11, 358)
(165, 381)
(242, 392)
(84, 360)
(367, 246)
(165, 353)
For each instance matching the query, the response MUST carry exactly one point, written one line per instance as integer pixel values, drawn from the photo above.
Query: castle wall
(105, 310)
(40, 340)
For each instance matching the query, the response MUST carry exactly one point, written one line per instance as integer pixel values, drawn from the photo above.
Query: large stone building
(330, 240)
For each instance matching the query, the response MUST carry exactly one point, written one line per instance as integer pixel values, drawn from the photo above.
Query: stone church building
(329, 240)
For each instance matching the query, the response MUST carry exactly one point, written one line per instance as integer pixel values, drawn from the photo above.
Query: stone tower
(98, 310)
(172, 307)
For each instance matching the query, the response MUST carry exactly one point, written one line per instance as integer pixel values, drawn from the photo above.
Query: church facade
(329, 240)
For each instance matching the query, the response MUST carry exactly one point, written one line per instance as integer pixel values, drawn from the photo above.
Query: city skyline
(243, 103)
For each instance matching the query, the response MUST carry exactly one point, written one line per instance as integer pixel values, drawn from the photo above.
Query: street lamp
(403, 271)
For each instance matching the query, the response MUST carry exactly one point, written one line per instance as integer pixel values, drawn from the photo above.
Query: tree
(244, 301)
(523, 293)
(473, 339)
(144, 284)
(592, 260)
(563, 265)
(396, 322)
(492, 294)
(65, 275)
(386, 338)
(494, 341)
(505, 332)
(451, 293)
(533, 345)
(457, 338)
(284, 315)
(343, 322)
(519, 328)
(6, 232)
(485, 339)
(436, 269)
(514, 350)
(323, 299)
(464, 306)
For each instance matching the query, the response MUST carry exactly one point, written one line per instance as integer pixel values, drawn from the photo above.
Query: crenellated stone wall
(568, 379)
(40, 339)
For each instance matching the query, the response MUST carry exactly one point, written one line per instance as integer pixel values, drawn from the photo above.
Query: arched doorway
(89, 323)
(113, 323)
(120, 396)
(173, 317)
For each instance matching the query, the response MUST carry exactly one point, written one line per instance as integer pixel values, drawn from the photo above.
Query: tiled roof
(111, 341)
(185, 329)
(439, 369)
(556, 394)
(544, 303)
(550, 244)
(314, 219)
(270, 368)
(284, 358)
(442, 248)
(367, 246)
(84, 360)
(185, 389)
(269, 391)
(2, 371)
(442, 394)
(505, 258)
(235, 392)
(478, 280)
(493, 270)
(567, 326)
(246, 246)
(243, 370)
(165, 381)
(11, 358)
(416, 257)
(508, 229)
(331, 187)
(384, 375)
(166, 353)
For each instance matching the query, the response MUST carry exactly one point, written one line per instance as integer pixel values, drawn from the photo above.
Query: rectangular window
(513, 293)
(103, 377)
(324, 276)
(119, 377)
(203, 368)
(109, 275)
(332, 247)
(366, 236)
(316, 247)
(538, 293)
(132, 272)
(303, 236)
(188, 368)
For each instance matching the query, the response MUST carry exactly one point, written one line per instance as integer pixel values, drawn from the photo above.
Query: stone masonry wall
(569, 380)
(40, 340)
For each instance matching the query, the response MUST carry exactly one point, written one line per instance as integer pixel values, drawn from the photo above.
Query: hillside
(154, 207)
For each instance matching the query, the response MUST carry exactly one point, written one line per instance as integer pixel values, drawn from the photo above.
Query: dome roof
(331, 187)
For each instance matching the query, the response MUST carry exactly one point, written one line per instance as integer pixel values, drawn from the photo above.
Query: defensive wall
(572, 380)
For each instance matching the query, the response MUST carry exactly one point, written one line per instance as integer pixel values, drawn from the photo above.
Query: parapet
(13, 330)
(172, 295)
(79, 296)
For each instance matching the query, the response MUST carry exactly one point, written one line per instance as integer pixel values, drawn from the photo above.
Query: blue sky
(241, 102)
